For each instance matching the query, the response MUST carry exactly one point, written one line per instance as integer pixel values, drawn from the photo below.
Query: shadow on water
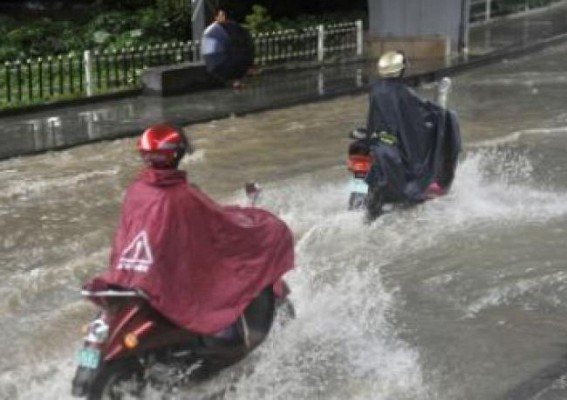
(547, 384)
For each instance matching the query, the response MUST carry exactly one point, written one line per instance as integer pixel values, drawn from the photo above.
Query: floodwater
(464, 297)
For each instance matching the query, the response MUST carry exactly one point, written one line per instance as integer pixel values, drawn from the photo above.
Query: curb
(57, 104)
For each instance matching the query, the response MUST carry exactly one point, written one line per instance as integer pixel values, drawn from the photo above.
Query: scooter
(360, 161)
(129, 346)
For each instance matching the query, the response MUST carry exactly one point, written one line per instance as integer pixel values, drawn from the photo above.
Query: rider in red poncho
(199, 263)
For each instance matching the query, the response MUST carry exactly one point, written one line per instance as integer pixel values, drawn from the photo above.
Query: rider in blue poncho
(414, 143)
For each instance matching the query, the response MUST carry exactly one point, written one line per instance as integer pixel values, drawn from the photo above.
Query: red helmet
(162, 146)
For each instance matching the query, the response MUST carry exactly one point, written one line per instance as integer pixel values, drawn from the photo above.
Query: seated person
(228, 50)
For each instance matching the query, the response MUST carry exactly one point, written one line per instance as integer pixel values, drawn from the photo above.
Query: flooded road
(464, 297)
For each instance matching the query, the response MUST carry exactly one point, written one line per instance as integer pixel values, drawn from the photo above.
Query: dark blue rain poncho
(414, 143)
(228, 50)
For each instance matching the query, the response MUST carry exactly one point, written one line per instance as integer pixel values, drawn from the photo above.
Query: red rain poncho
(200, 263)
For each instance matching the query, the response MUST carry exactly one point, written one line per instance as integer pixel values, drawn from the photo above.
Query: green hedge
(260, 20)
(117, 29)
(109, 30)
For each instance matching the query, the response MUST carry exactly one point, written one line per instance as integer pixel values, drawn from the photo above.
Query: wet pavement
(121, 118)
(539, 24)
(71, 126)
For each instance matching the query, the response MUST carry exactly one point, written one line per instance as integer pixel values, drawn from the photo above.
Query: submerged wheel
(374, 205)
(286, 310)
(120, 379)
(356, 201)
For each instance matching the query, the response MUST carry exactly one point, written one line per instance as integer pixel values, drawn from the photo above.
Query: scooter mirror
(358, 133)
(253, 190)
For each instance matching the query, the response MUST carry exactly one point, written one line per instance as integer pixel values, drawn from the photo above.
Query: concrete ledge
(172, 80)
(58, 104)
(416, 48)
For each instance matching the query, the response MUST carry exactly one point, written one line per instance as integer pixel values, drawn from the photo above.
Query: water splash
(27, 188)
(346, 341)
(44, 379)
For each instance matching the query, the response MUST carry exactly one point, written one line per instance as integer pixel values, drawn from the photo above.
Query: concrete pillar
(88, 65)
(198, 21)
(421, 28)
(320, 43)
(202, 15)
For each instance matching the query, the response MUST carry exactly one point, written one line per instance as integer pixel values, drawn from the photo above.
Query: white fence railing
(316, 43)
(486, 10)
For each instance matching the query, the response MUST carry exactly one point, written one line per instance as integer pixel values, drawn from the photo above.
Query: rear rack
(114, 293)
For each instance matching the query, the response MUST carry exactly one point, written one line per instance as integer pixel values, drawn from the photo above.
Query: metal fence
(288, 45)
(103, 71)
(92, 72)
(111, 70)
(485, 10)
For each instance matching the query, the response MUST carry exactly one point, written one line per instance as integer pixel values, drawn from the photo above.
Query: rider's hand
(253, 190)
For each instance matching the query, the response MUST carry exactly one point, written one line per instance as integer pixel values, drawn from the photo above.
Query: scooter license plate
(88, 357)
(357, 185)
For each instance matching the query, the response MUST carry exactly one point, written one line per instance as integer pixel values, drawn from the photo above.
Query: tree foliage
(125, 24)
(76, 25)
(291, 9)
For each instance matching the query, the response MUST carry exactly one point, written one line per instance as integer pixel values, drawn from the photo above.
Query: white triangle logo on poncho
(138, 255)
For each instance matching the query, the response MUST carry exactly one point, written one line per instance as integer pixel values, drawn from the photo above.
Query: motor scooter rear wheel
(120, 379)
(374, 205)
(357, 201)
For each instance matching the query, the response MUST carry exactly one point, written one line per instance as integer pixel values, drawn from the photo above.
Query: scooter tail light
(359, 164)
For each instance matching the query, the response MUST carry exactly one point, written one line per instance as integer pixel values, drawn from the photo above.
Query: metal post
(8, 66)
(50, 75)
(359, 39)
(488, 11)
(125, 67)
(61, 74)
(88, 63)
(71, 72)
(321, 83)
(198, 18)
(19, 79)
(30, 79)
(40, 70)
(463, 42)
(443, 91)
(320, 43)
(196, 53)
